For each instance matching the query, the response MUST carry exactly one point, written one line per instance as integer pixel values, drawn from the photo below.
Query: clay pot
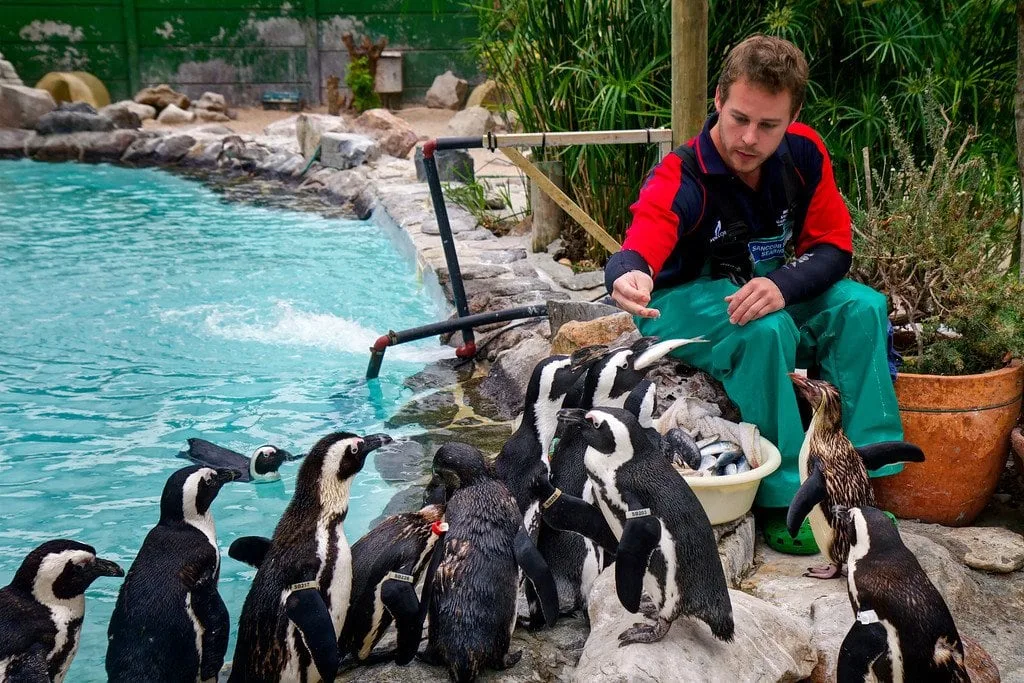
(963, 424)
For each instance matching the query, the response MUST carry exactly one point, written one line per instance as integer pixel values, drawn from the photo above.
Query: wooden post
(547, 214)
(131, 34)
(689, 68)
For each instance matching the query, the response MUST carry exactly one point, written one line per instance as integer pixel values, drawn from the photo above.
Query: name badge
(768, 249)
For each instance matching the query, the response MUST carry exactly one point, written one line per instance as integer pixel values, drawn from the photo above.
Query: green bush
(361, 82)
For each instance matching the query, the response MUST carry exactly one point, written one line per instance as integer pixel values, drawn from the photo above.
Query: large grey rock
(22, 107)
(173, 114)
(769, 645)
(453, 166)
(561, 312)
(345, 186)
(395, 137)
(161, 96)
(510, 373)
(284, 128)
(447, 92)
(309, 129)
(470, 122)
(347, 150)
(173, 148)
(211, 101)
(122, 117)
(989, 549)
(76, 117)
(8, 74)
(143, 111)
(13, 141)
(736, 542)
(211, 115)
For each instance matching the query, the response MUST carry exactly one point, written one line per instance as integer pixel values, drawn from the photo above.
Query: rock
(769, 645)
(345, 186)
(990, 549)
(159, 97)
(347, 150)
(123, 117)
(22, 107)
(561, 312)
(173, 148)
(143, 111)
(470, 122)
(212, 129)
(283, 128)
(107, 146)
(506, 122)
(74, 117)
(172, 114)
(395, 137)
(141, 150)
(309, 129)
(980, 666)
(364, 204)
(8, 74)
(506, 382)
(210, 115)
(13, 141)
(736, 542)
(211, 101)
(447, 92)
(484, 94)
(575, 335)
(453, 166)
(1017, 447)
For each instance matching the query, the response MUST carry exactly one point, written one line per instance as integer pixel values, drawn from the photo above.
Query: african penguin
(42, 608)
(297, 604)
(666, 544)
(473, 588)
(834, 472)
(169, 622)
(262, 466)
(903, 629)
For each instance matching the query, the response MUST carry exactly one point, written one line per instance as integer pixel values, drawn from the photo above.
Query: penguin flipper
(212, 614)
(878, 455)
(863, 645)
(537, 570)
(249, 549)
(203, 452)
(640, 535)
(309, 613)
(810, 493)
(569, 513)
(428, 579)
(399, 597)
(31, 668)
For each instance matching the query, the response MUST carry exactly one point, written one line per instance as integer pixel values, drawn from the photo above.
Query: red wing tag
(438, 528)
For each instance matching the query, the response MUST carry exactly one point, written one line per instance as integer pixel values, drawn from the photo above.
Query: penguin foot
(649, 608)
(645, 633)
(829, 571)
(510, 660)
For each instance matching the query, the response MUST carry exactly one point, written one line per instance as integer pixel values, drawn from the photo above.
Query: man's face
(751, 124)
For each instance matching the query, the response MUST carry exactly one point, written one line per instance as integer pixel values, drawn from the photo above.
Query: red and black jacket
(677, 215)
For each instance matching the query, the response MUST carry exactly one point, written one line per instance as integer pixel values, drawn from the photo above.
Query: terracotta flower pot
(963, 424)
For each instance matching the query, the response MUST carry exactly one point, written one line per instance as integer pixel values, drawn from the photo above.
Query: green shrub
(361, 82)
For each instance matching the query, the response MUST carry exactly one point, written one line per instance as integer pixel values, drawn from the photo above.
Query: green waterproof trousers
(842, 333)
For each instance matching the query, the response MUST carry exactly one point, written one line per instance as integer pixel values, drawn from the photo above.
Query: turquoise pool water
(140, 309)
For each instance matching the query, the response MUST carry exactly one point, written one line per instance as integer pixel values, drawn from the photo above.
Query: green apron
(841, 332)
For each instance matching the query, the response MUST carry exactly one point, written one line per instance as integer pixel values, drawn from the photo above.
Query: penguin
(387, 564)
(609, 382)
(474, 584)
(834, 472)
(260, 467)
(666, 544)
(296, 607)
(42, 608)
(903, 630)
(169, 622)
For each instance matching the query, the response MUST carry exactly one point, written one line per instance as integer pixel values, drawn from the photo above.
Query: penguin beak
(655, 352)
(569, 417)
(806, 388)
(101, 567)
(373, 442)
(586, 356)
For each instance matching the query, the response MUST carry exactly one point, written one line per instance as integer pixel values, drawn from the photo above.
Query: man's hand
(632, 292)
(754, 300)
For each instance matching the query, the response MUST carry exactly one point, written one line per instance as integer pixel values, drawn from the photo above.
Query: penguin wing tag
(868, 616)
(551, 499)
(534, 566)
(307, 610)
(636, 514)
(438, 528)
(640, 535)
(395, 576)
(399, 597)
(569, 513)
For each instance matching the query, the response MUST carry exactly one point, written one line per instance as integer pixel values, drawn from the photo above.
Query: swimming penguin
(903, 629)
(297, 604)
(834, 472)
(472, 601)
(666, 544)
(260, 467)
(42, 608)
(170, 623)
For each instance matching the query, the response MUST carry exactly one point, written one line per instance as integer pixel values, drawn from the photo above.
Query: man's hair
(771, 63)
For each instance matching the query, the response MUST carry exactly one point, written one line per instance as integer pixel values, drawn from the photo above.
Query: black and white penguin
(170, 623)
(299, 598)
(42, 608)
(666, 544)
(262, 466)
(903, 629)
(834, 472)
(609, 382)
(473, 590)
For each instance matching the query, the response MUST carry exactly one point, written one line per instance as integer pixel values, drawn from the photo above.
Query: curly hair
(772, 63)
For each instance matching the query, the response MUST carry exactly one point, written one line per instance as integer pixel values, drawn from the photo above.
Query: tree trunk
(1018, 110)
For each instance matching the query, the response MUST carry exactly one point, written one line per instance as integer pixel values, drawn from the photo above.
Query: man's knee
(773, 330)
(861, 304)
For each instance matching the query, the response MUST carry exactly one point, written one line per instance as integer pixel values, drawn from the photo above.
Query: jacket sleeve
(827, 220)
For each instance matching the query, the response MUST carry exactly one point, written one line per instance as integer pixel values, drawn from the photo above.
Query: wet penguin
(262, 466)
(170, 623)
(903, 629)
(834, 472)
(297, 604)
(42, 609)
(666, 544)
(472, 600)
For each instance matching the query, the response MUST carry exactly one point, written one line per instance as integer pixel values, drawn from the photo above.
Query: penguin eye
(353, 448)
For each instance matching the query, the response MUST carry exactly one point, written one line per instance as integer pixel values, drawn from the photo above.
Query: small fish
(742, 466)
(718, 447)
(731, 468)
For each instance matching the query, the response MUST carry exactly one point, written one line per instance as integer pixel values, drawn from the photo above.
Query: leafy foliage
(361, 82)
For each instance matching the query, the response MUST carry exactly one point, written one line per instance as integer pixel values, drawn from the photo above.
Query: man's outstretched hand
(754, 300)
(632, 292)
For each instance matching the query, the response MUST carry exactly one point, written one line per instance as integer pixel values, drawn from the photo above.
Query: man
(706, 253)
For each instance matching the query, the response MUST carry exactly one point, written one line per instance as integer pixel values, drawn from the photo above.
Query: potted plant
(942, 250)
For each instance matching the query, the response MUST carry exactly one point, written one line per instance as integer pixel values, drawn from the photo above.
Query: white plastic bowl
(731, 496)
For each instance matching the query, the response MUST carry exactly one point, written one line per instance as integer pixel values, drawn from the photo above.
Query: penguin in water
(298, 601)
(42, 608)
(666, 544)
(903, 629)
(834, 472)
(387, 564)
(260, 467)
(473, 590)
(169, 622)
